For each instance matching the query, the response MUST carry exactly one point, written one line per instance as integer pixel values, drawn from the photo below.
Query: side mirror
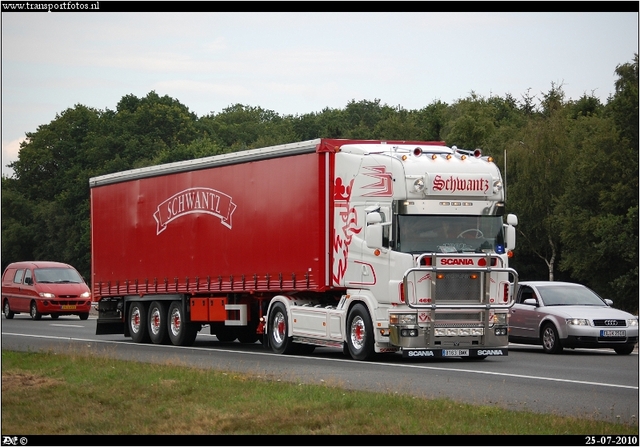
(373, 231)
(609, 302)
(530, 302)
(510, 231)
(28, 281)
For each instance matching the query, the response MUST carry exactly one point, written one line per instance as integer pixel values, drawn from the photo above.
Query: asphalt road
(596, 384)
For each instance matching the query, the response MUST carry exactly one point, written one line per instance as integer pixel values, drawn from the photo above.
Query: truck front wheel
(360, 333)
(158, 331)
(181, 332)
(138, 322)
(278, 330)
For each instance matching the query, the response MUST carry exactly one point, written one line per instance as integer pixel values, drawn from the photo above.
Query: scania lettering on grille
(448, 261)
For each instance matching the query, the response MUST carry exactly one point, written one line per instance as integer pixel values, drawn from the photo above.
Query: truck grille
(458, 287)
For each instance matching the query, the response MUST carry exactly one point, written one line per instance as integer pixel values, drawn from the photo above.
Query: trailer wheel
(248, 335)
(158, 332)
(8, 313)
(360, 333)
(35, 315)
(304, 349)
(225, 334)
(181, 332)
(278, 329)
(138, 322)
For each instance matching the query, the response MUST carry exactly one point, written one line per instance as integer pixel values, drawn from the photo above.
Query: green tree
(536, 169)
(599, 208)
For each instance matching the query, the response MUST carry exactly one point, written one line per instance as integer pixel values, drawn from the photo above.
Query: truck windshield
(449, 234)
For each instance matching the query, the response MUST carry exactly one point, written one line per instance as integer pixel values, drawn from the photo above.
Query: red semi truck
(367, 246)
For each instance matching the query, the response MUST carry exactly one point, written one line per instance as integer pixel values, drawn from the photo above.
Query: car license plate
(610, 333)
(68, 307)
(455, 353)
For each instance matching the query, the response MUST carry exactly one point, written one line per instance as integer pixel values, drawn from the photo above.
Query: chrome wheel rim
(358, 333)
(155, 321)
(279, 328)
(135, 320)
(175, 322)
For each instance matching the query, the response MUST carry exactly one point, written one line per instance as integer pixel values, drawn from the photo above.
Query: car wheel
(84, 315)
(624, 350)
(35, 315)
(54, 316)
(550, 339)
(8, 314)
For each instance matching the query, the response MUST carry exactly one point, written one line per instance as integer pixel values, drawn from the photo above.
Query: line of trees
(571, 168)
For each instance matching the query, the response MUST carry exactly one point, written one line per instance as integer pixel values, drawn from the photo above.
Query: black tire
(304, 349)
(181, 332)
(360, 333)
(247, 335)
(225, 334)
(6, 310)
(84, 316)
(157, 323)
(33, 311)
(550, 339)
(54, 316)
(278, 330)
(624, 350)
(137, 322)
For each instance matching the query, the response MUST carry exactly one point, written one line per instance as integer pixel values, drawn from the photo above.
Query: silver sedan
(561, 315)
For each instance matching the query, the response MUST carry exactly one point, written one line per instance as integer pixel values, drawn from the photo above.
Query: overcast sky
(298, 63)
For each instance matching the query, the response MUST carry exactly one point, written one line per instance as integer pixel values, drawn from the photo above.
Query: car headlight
(632, 322)
(577, 322)
(86, 295)
(47, 295)
(402, 318)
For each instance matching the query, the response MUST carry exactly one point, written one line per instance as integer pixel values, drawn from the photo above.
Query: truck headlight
(499, 319)
(402, 318)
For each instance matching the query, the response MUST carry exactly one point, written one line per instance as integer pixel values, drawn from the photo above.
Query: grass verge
(47, 393)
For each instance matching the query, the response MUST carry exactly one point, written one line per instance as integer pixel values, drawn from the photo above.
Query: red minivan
(44, 288)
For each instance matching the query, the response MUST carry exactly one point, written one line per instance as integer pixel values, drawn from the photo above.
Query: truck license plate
(455, 353)
(68, 307)
(610, 333)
